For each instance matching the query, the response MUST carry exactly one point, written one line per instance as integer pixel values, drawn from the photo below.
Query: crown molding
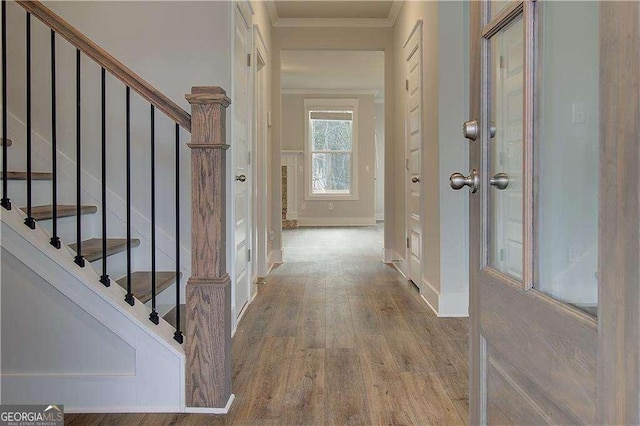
(336, 92)
(333, 23)
(387, 22)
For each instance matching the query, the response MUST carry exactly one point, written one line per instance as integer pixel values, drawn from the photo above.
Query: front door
(554, 147)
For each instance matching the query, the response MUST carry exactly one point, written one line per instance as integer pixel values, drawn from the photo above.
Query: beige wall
(357, 212)
(380, 39)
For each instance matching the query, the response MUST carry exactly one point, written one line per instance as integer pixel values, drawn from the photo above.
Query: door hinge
(408, 243)
(406, 163)
(501, 255)
(248, 255)
(406, 85)
(248, 59)
(501, 62)
(249, 157)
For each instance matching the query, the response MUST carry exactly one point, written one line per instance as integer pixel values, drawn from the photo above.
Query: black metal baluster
(154, 315)
(104, 279)
(78, 259)
(129, 297)
(5, 202)
(178, 333)
(29, 220)
(55, 240)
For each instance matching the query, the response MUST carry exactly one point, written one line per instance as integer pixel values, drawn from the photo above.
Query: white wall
(445, 247)
(345, 212)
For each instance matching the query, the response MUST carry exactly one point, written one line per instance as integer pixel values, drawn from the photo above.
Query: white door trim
(258, 164)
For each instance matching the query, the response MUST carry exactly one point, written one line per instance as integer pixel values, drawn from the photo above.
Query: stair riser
(67, 227)
(166, 300)
(40, 192)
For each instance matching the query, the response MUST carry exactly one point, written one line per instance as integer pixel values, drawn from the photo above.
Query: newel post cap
(208, 95)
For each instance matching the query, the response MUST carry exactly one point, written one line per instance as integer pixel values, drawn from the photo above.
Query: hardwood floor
(335, 336)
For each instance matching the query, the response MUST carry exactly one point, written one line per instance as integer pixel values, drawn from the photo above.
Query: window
(331, 129)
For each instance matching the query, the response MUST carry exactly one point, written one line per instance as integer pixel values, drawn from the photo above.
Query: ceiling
(333, 9)
(306, 71)
(334, 13)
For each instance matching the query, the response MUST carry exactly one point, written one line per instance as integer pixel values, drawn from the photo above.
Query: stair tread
(64, 210)
(9, 142)
(23, 175)
(141, 283)
(170, 316)
(92, 248)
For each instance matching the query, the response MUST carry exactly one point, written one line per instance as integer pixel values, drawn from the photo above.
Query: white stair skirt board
(151, 379)
(445, 305)
(336, 221)
(206, 410)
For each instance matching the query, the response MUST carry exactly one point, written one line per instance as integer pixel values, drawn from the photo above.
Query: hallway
(337, 337)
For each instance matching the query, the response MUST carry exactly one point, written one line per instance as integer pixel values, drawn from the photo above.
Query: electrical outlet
(330, 206)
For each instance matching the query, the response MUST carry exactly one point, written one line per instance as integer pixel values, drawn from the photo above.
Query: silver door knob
(470, 129)
(458, 181)
(415, 179)
(500, 181)
(241, 178)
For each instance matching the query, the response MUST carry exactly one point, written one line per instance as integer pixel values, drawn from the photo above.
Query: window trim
(349, 104)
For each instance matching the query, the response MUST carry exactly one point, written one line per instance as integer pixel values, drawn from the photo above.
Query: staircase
(164, 341)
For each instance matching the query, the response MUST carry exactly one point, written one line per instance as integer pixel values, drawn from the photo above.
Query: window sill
(331, 197)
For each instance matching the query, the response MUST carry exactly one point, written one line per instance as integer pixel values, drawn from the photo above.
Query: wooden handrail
(108, 62)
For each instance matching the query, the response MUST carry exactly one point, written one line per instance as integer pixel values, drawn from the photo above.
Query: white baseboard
(401, 264)
(274, 257)
(430, 295)
(387, 255)
(445, 304)
(207, 410)
(291, 215)
(336, 221)
(380, 216)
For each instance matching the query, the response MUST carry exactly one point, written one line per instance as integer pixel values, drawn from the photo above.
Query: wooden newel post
(208, 295)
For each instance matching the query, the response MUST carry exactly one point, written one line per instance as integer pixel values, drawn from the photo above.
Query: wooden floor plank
(304, 400)
(346, 399)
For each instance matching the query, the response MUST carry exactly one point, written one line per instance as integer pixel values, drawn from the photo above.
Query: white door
(413, 58)
(241, 149)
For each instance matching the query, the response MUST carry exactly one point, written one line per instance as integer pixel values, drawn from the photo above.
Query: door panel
(241, 146)
(413, 57)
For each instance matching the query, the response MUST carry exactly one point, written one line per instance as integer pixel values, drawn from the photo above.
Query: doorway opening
(332, 154)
